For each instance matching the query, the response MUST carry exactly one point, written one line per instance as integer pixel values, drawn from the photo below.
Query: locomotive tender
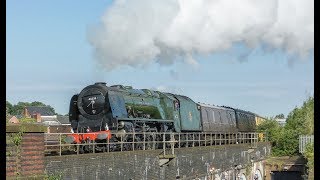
(123, 109)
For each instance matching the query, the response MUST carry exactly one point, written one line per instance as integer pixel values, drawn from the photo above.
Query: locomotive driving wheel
(150, 142)
(87, 147)
(138, 144)
(112, 146)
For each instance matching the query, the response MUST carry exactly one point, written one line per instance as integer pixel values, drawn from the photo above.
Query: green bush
(286, 143)
(27, 120)
(285, 140)
(54, 176)
(271, 127)
(309, 154)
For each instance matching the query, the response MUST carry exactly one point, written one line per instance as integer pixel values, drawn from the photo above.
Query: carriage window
(213, 117)
(232, 119)
(229, 117)
(204, 115)
(210, 115)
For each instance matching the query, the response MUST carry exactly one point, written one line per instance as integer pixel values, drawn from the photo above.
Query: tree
(37, 103)
(279, 116)
(271, 127)
(18, 108)
(27, 120)
(52, 109)
(309, 155)
(286, 143)
(8, 108)
(302, 119)
(284, 140)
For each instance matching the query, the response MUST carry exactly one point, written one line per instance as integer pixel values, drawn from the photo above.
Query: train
(102, 109)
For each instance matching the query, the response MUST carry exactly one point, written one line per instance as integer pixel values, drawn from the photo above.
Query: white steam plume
(136, 33)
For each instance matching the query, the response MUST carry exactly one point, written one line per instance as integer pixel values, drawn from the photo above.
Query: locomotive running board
(144, 119)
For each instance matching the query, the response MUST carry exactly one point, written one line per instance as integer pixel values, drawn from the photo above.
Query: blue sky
(49, 59)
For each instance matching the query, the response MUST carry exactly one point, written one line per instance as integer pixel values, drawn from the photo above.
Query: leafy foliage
(53, 176)
(309, 154)
(271, 127)
(302, 119)
(17, 137)
(18, 108)
(286, 143)
(8, 107)
(285, 140)
(27, 120)
(279, 116)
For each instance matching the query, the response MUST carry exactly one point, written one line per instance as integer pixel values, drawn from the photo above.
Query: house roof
(43, 110)
(63, 119)
(14, 119)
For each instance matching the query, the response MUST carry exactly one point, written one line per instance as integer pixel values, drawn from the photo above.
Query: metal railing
(303, 141)
(55, 144)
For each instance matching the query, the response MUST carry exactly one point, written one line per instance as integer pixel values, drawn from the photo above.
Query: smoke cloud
(137, 33)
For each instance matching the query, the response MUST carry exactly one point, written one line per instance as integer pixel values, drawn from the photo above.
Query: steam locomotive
(100, 108)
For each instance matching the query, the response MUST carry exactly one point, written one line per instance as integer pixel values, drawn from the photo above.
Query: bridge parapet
(24, 150)
(188, 163)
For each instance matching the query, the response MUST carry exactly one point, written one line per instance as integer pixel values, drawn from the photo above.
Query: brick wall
(24, 152)
(11, 157)
(32, 154)
(189, 163)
